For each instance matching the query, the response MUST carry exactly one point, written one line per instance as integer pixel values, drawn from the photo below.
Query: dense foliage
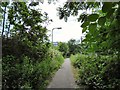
(100, 22)
(68, 48)
(74, 47)
(63, 47)
(26, 74)
(28, 61)
(101, 25)
(97, 72)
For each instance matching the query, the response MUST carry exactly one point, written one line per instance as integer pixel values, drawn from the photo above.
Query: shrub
(27, 74)
(98, 71)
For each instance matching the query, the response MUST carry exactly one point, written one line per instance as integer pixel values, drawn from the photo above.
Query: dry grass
(75, 72)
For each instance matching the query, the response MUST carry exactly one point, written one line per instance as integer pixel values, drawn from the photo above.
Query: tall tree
(99, 24)
(63, 47)
(102, 29)
(26, 46)
(74, 47)
(4, 6)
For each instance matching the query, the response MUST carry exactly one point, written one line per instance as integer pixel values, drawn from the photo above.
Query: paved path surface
(63, 77)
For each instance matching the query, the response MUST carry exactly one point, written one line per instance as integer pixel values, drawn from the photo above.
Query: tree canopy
(99, 62)
(101, 25)
(27, 59)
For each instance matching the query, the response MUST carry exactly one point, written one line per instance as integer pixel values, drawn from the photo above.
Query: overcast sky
(70, 29)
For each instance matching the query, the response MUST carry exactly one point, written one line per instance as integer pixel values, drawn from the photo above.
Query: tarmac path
(63, 77)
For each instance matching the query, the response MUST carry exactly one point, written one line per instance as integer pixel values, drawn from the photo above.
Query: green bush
(25, 58)
(27, 74)
(63, 47)
(98, 71)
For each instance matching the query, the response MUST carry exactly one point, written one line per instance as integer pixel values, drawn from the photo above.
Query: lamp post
(52, 33)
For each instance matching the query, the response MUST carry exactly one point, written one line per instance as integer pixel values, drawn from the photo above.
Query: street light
(52, 32)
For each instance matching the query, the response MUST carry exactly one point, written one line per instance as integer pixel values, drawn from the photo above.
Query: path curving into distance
(63, 77)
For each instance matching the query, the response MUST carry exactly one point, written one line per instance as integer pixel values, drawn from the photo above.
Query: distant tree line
(71, 47)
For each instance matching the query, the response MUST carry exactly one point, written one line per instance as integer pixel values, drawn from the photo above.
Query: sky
(70, 29)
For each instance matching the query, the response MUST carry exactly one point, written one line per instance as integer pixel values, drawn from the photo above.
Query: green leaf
(93, 17)
(84, 29)
(4, 4)
(88, 36)
(107, 6)
(102, 20)
(85, 24)
(109, 14)
(92, 27)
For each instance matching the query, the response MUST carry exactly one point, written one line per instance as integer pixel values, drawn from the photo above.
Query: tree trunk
(3, 21)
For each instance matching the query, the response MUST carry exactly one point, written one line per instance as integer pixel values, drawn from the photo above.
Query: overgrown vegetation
(27, 59)
(97, 72)
(63, 47)
(74, 47)
(99, 60)
(23, 73)
(71, 47)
